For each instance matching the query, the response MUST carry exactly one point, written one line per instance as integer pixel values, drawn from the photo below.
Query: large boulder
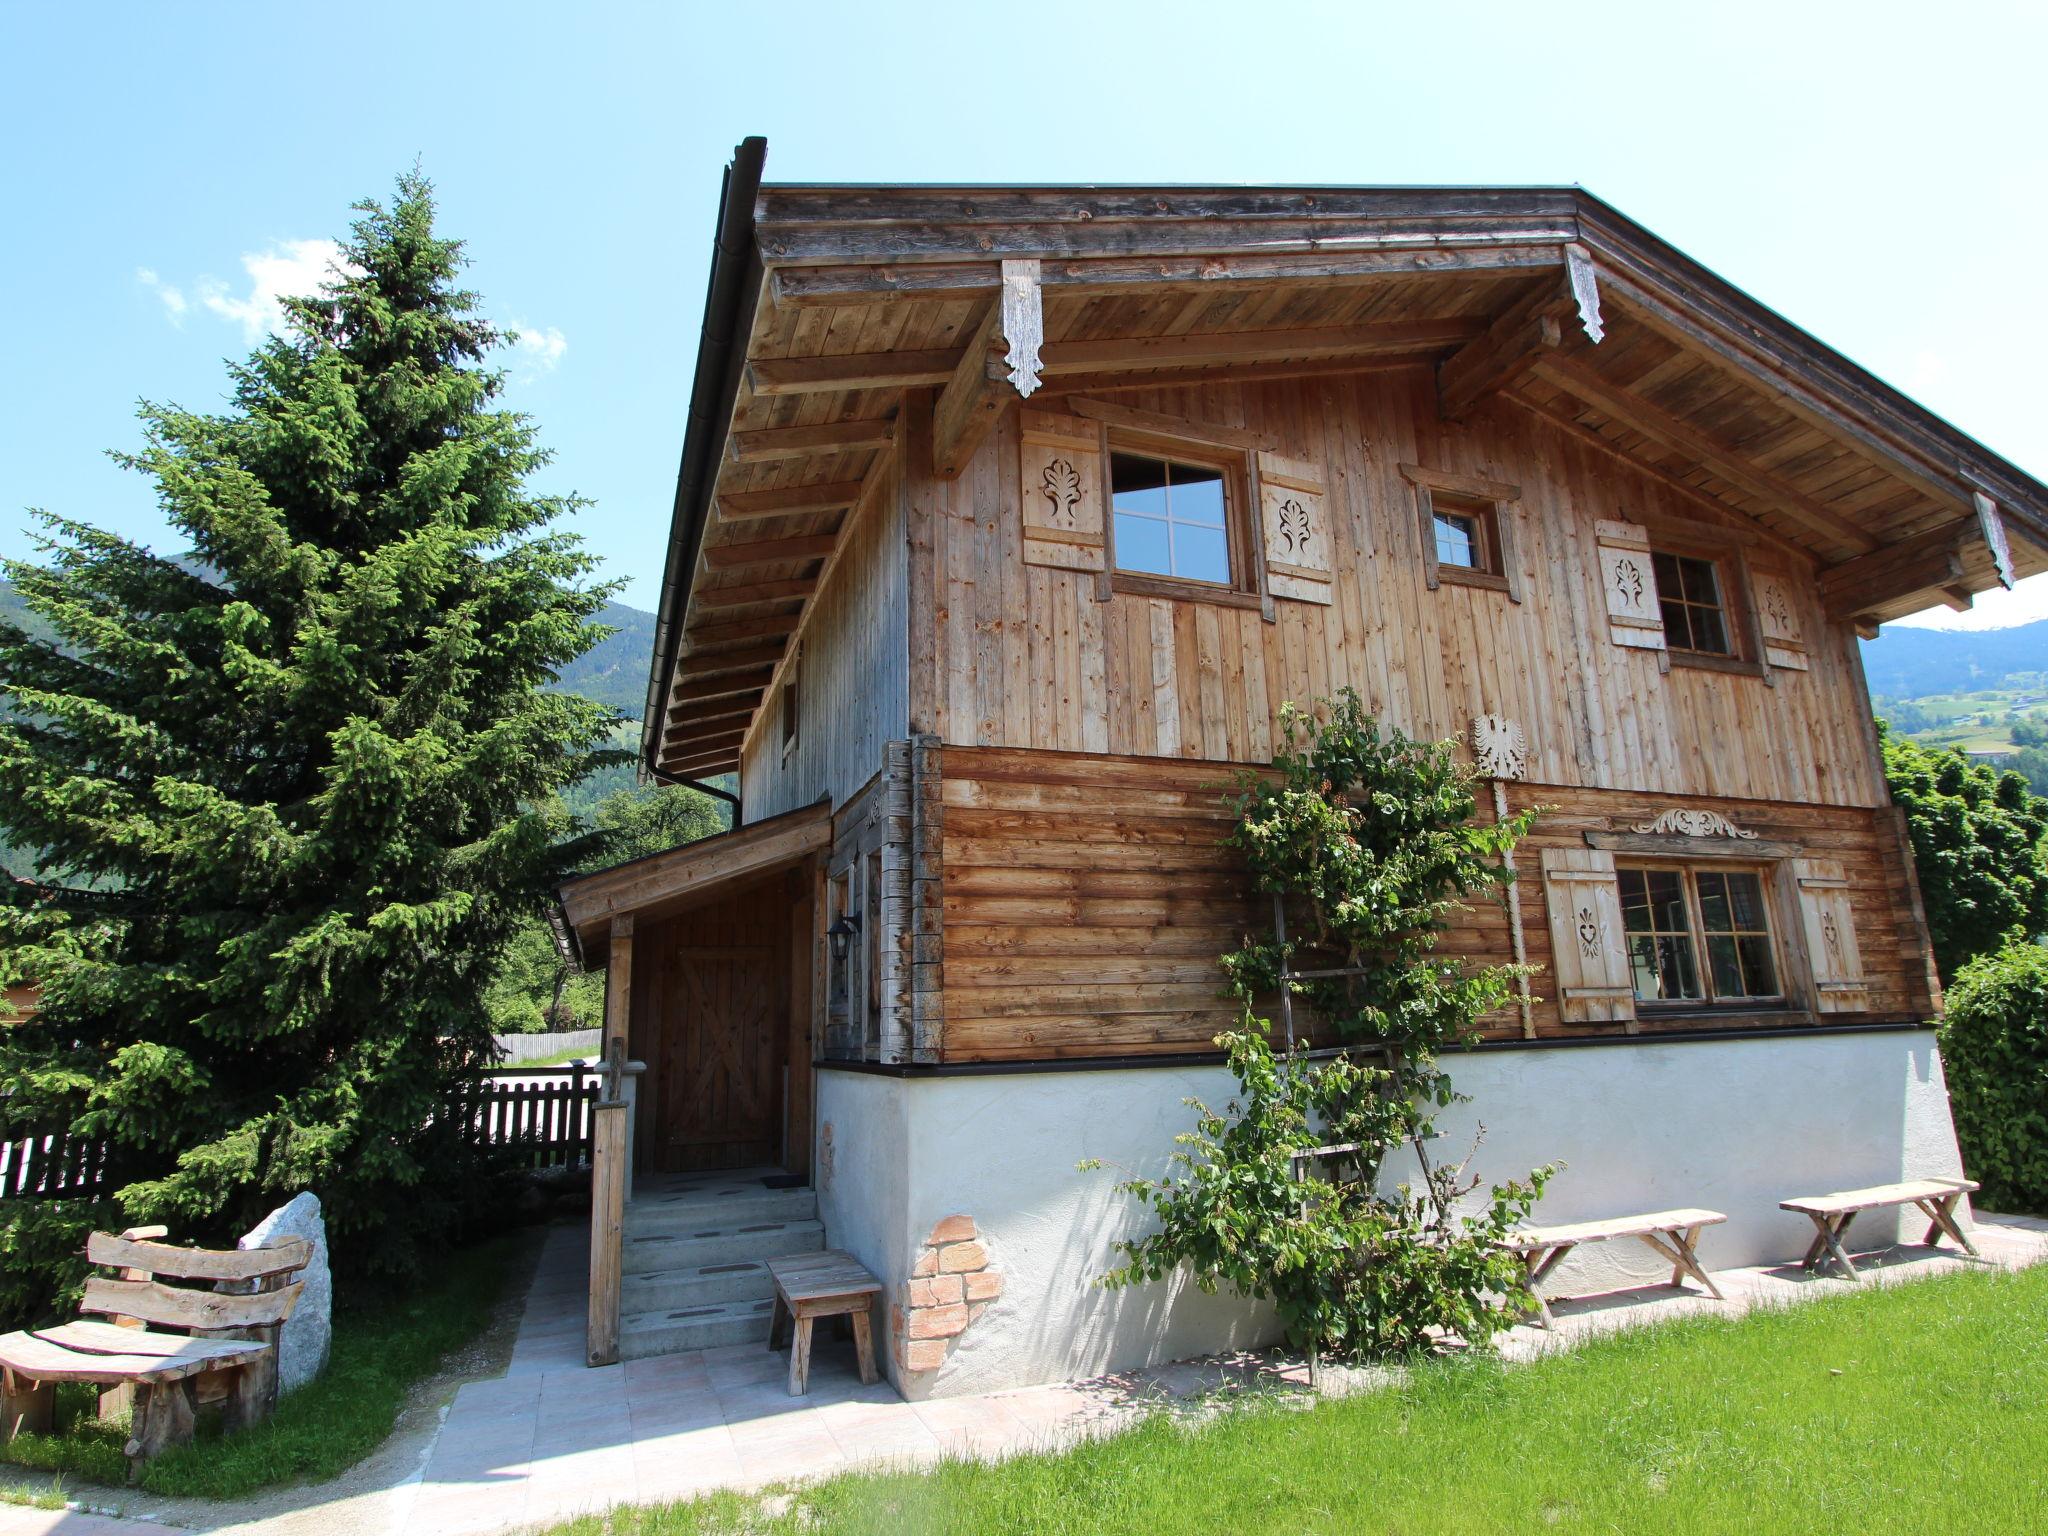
(302, 1348)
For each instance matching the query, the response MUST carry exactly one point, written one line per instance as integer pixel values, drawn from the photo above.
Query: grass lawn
(383, 1345)
(1915, 1408)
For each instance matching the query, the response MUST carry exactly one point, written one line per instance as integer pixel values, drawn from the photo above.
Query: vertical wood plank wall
(1026, 656)
(853, 691)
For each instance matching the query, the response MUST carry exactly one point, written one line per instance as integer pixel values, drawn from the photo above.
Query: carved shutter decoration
(1778, 614)
(1293, 513)
(1060, 461)
(1839, 985)
(1626, 576)
(1589, 955)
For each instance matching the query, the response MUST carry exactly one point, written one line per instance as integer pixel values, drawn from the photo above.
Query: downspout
(702, 788)
(732, 293)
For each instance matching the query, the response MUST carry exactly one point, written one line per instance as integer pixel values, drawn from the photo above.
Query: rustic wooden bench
(1670, 1234)
(228, 1354)
(1831, 1215)
(809, 1286)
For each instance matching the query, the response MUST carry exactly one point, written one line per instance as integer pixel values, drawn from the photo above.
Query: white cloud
(289, 269)
(538, 349)
(173, 297)
(1996, 609)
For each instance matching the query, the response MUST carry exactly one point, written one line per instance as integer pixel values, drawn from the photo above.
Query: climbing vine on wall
(1386, 1246)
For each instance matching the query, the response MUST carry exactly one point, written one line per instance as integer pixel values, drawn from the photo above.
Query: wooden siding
(1027, 656)
(1086, 899)
(852, 677)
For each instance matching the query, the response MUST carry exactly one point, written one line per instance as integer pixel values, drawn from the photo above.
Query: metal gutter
(730, 301)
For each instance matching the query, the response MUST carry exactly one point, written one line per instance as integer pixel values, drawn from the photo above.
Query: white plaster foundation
(1733, 1125)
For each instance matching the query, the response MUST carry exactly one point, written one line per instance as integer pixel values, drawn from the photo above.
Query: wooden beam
(757, 592)
(589, 901)
(744, 629)
(705, 663)
(726, 687)
(1236, 373)
(731, 557)
(1500, 355)
(966, 282)
(974, 397)
(702, 743)
(724, 761)
(789, 501)
(1872, 583)
(1582, 383)
(718, 711)
(765, 445)
(876, 370)
(862, 370)
(1118, 415)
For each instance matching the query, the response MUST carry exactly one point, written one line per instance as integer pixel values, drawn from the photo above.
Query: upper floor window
(789, 710)
(1172, 518)
(1467, 529)
(1695, 612)
(1467, 537)
(1698, 936)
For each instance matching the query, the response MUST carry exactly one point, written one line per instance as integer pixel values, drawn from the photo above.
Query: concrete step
(681, 1212)
(720, 1245)
(708, 1326)
(667, 1290)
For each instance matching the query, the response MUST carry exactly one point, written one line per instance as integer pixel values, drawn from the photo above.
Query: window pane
(1137, 484)
(1642, 965)
(1713, 902)
(1669, 587)
(1700, 584)
(1726, 967)
(1747, 896)
(1141, 545)
(1667, 901)
(1635, 901)
(1681, 975)
(1196, 495)
(1457, 541)
(1200, 554)
(1677, 624)
(1708, 632)
(1759, 971)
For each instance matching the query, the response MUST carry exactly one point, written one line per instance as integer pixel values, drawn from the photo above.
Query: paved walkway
(551, 1438)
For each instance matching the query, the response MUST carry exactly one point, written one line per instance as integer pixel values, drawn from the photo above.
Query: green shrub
(1994, 1045)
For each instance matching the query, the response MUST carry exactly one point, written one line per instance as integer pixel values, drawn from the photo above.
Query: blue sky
(1874, 172)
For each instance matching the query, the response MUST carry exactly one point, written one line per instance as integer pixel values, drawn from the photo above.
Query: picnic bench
(1831, 1215)
(809, 1286)
(227, 1355)
(1670, 1234)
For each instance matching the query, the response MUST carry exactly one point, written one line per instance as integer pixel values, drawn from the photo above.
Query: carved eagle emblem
(1499, 748)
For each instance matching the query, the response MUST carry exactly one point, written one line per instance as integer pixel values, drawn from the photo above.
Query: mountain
(1916, 663)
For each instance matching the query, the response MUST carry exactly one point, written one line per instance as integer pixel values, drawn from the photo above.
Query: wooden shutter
(1589, 953)
(1778, 615)
(1061, 488)
(1630, 583)
(1295, 518)
(1832, 958)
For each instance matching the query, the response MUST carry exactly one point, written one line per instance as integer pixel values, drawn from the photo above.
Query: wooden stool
(809, 1286)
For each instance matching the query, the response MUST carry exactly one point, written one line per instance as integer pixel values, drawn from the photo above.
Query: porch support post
(607, 1228)
(618, 1004)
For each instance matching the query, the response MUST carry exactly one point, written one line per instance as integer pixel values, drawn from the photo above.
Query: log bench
(1669, 1234)
(1831, 1215)
(809, 1286)
(227, 1355)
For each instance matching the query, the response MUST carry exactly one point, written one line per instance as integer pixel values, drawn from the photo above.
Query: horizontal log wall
(1087, 898)
(1027, 656)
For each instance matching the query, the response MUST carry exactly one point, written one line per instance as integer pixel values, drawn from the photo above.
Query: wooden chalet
(1008, 519)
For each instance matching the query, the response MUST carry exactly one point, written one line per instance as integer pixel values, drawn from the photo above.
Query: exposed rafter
(766, 445)
(788, 501)
(1582, 383)
(730, 557)
(756, 592)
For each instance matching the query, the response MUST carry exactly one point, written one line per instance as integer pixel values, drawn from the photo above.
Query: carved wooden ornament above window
(1060, 490)
(1297, 529)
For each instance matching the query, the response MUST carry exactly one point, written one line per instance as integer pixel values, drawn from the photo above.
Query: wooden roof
(668, 882)
(828, 303)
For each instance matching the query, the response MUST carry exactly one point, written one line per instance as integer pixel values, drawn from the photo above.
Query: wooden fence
(62, 1167)
(542, 1120)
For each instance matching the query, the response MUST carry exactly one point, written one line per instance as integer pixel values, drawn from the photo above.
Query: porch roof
(662, 883)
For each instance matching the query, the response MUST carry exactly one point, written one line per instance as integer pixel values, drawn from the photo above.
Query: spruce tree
(294, 789)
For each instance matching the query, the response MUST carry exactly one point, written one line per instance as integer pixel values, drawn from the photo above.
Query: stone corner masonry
(951, 1284)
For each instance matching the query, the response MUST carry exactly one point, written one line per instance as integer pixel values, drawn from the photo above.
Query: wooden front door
(724, 1005)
